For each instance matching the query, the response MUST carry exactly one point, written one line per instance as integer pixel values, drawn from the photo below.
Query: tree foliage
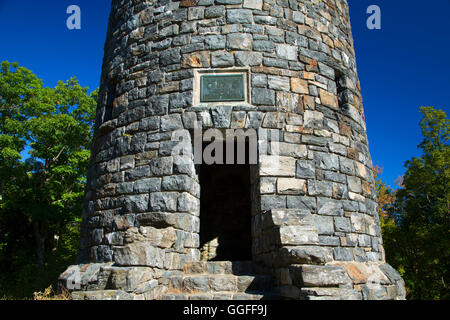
(416, 225)
(45, 137)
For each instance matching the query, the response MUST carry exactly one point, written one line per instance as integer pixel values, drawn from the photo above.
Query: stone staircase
(220, 280)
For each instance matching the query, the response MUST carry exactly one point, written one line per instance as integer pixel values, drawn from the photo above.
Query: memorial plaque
(218, 88)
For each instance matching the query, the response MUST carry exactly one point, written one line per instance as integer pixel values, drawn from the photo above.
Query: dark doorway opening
(225, 211)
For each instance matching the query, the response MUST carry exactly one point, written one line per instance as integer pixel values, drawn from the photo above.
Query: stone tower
(297, 222)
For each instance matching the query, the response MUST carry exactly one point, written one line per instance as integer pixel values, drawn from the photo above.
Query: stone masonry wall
(313, 216)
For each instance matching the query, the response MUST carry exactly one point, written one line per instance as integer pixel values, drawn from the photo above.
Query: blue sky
(401, 67)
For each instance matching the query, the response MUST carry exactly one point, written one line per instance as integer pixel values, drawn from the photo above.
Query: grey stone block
(147, 185)
(137, 173)
(302, 203)
(177, 183)
(304, 255)
(215, 42)
(265, 20)
(305, 169)
(171, 122)
(319, 188)
(135, 204)
(343, 254)
(196, 283)
(239, 15)
(149, 124)
(161, 166)
(279, 83)
(342, 224)
(171, 56)
(180, 100)
(222, 59)
(214, 12)
(327, 161)
(163, 201)
(259, 80)
(274, 62)
(226, 283)
(244, 58)
(221, 116)
(319, 276)
(239, 41)
(261, 96)
(330, 207)
(254, 120)
(324, 225)
(264, 45)
(273, 202)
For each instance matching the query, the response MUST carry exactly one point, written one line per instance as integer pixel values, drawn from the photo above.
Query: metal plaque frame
(222, 83)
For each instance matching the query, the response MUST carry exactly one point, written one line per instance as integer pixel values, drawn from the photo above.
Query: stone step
(222, 296)
(101, 295)
(221, 267)
(191, 283)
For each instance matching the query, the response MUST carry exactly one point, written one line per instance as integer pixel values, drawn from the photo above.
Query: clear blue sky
(401, 67)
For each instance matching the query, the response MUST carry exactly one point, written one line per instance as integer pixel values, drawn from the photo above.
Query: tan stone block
(188, 3)
(294, 129)
(147, 155)
(276, 71)
(345, 130)
(308, 75)
(121, 101)
(328, 99)
(322, 133)
(367, 191)
(309, 102)
(319, 85)
(338, 44)
(358, 223)
(328, 41)
(299, 86)
(352, 153)
(298, 235)
(356, 271)
(292, 137)
(356, 197)
(361, 170)
(291, 186)
(294, 119)
(173, 86)
(309, 22)
(322, 27)
(277, 166)
(200, 59)
(286, 101)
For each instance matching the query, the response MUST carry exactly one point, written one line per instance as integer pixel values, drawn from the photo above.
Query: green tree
(418, 245)
(386, 198)
(45, 138)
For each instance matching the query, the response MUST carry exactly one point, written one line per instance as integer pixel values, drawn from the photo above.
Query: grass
(49, 294)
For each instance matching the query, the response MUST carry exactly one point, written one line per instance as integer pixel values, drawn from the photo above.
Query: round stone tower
(167, 207)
